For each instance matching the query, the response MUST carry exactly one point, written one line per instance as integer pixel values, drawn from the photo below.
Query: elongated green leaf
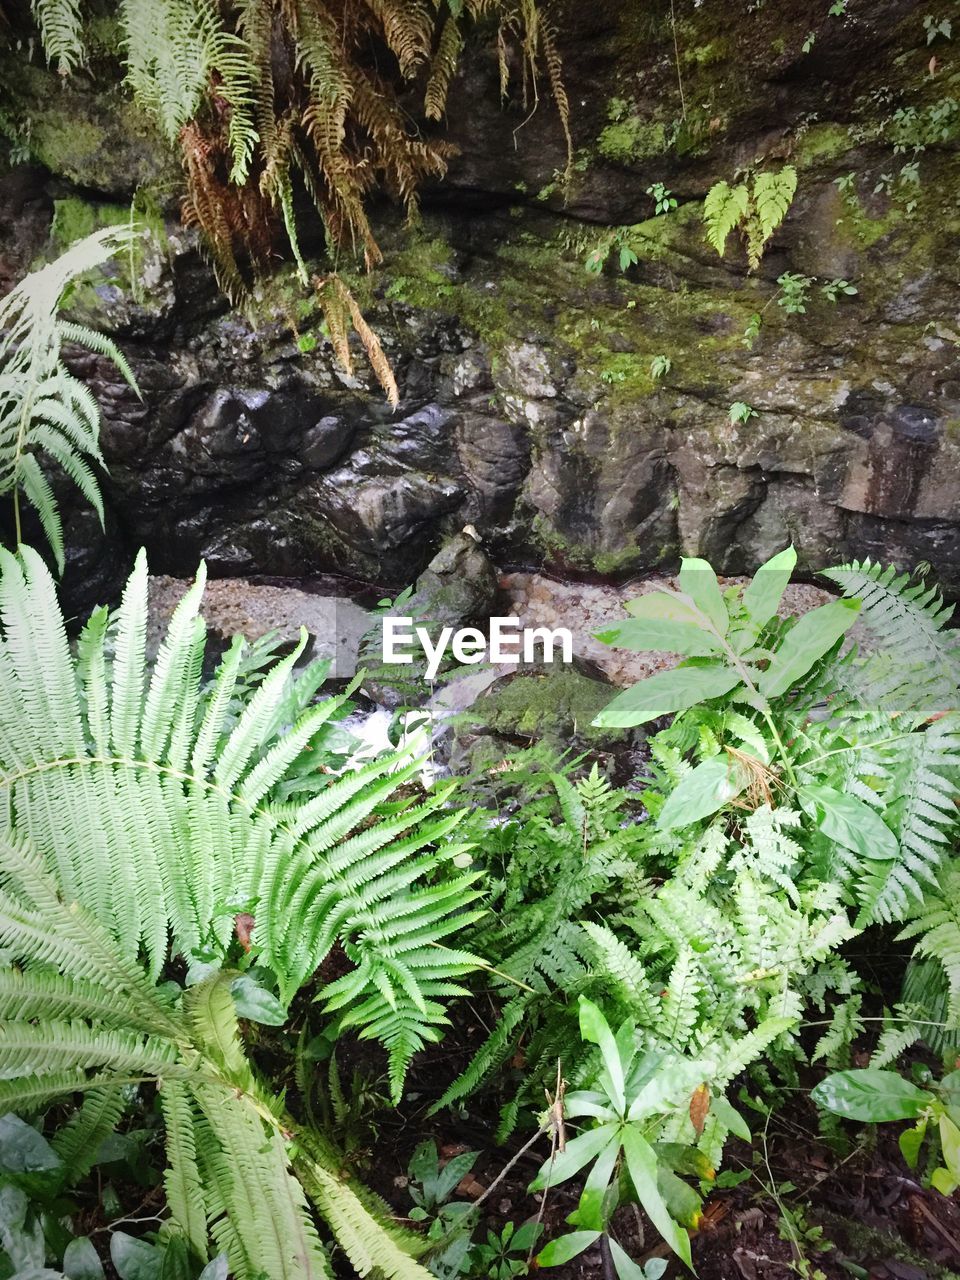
(664, 634)
(761, 598)
(642, 1166)
(699, 582)
(871, 1095)
(595, 1028)
(729, 1116)
(850, 822)
(702, 792)
(665, 693)
(580, 1151)
(665, 606)
(566, 1247)
(805, 643)
(589, 1211)
(626, 1268)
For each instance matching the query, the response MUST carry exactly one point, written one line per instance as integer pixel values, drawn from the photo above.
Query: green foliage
(80, 1015)
(876, 1097)
(44, 409)
(785, 807)
(660, 366)
(754, 207)
(663, 200)
(449, 1222)
(794, 292)
(503, 1256)
(739, 412)
(192, 823)
(627, 1109)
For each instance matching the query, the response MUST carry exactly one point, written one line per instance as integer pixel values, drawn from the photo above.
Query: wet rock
(551, 703)
(458, 585)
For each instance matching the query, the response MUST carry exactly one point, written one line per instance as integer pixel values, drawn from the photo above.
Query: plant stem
(676, 55)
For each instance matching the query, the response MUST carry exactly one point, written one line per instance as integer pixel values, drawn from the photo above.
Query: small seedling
(740, 412)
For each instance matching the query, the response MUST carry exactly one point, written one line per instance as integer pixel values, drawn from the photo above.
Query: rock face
(529, 405)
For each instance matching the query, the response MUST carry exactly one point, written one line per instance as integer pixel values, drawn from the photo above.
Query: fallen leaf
(699, 1107)
(244, 925)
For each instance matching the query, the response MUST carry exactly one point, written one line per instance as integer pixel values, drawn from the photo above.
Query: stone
(457, 586)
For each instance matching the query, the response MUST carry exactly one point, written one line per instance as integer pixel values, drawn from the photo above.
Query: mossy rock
(99, 140)
(554, 704)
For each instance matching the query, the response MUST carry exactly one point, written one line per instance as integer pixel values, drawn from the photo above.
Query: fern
(61, 32)
(257, 93)
(44, 409)
(232, 1174)
(175, 789)
(724, 208)
(917, 667)
(772, 197)
(755, 209)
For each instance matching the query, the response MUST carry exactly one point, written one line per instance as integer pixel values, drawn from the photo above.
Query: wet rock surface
(529, 409)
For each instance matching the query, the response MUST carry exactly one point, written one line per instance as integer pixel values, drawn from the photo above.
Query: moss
(74, 218)
(553, 705)
(709, 54)
(821, 143)
(865, 230)
(632, 139)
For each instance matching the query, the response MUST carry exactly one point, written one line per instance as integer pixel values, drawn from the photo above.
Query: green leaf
(626, 1268)
(256, 1003)
(23, 1149)
(134, 1259)
(805, 643)
(950, 1143)
(664, 693)
(81, 1262)
(730, 1117)
(579, 1151)
(668, 606)
(761, 598)
(665, 635)
(566, 1247)
(871, 1095)
(699, 582)
(850, 822)
(911, 1140)
(589, 1212)
(595, 1028)
(642, 1167)
(701, 792)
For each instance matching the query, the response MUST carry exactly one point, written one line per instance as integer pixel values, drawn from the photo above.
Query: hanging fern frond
(61, 32)
(340, 307)
(257, 93)
(44, 410)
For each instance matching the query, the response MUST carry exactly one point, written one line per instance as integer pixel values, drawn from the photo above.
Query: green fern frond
(175, 787)
(44, 409)
(61, 32)
(724, 208)
(916, 669)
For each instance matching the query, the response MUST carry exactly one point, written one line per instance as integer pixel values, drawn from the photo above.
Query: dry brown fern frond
(266, 94)
(340, 306)
(406, 28)
(442, 68)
